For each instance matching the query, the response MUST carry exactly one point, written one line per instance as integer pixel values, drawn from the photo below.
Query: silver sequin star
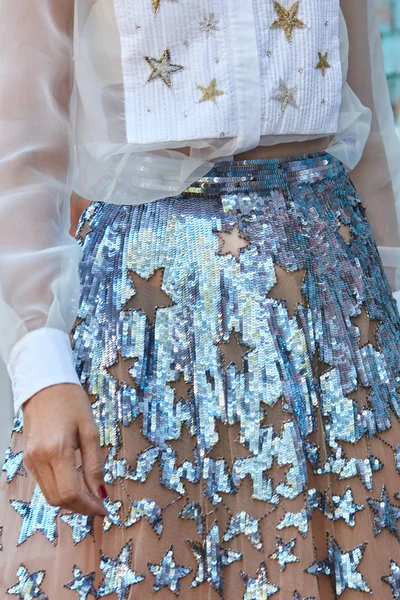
(162, 68)
(12, 464)
(82, 584)
(148, 509)
(283, 552)
(393, 579)
(386, 515)
(37, 515)
(112, 517)
(296, 596)
(244, 523)
(345, 507)
(81, 525)
(209, 25)
(211, 559)
(168, 573)
(258, 587)
(286, 96)
(28, 586)
(118, 577)
(192, 510)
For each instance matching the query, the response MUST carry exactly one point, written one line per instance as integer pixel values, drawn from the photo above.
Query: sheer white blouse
(63, 128)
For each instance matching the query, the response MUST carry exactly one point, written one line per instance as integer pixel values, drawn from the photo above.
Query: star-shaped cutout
(28, 586)
(162, 68)
(286, 96)
(82, 525)
(182, 389)
(319, 366)
(287, 19)
(258, 587)
(84, 230)
(82, 584)
(323, 63)
(168, 573)
(345, 508)
(184, 446)
(232, 242)
(288, 288)
(233, 352)
(209, 25)
(345, 232)
(368, 329)
(37, 515)
(386, 515)
(230, 443)
(210, 92)
(120, 370)
(243, 523)
(283, 552)
(12, 464)
(393, 579)
(211, 560)
(118, 577)
(112, 517)
(149, 296)
(361, 395)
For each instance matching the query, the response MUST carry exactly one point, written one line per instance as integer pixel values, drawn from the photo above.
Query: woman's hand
(58, 420)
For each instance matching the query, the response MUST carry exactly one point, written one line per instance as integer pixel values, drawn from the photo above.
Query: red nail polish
(102, 492)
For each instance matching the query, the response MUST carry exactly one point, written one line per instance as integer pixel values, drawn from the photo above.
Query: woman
(205, 380)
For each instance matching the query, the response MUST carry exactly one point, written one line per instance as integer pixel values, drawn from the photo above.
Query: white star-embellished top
(131, 101)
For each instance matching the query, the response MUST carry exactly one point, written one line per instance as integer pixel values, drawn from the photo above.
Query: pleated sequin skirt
(240, 346)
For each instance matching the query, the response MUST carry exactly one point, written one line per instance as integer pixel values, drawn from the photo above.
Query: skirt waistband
(266, 173)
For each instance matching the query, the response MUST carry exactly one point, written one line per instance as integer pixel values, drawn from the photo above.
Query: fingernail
(101, 490)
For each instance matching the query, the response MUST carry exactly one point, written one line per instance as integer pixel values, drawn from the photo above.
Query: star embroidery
(258, 587)
(233, 352)
(286, 96)
(386, 515)
(393, 579)
(148, 509)
(361, 396)
(232, 242)
(345, 508)
(37, 515)
(84, 230)
(243, 523)
(162, 68)
(156, 4)
(149, 296)
(211, 559)
(288, 288)
(283, 552)
(120, 370)
(12, 464)
(118, 577)
(112, 517)
(182, 389)
(168, 573)
(209, 25)
(345, 232)
(28, 586)
(368, 329)
(82, 584)
(82, 525)
(210, 92)
(323, 63)
(287, 19)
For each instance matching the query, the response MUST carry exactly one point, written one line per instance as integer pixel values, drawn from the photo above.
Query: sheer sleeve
(377, 175)
(39, 282)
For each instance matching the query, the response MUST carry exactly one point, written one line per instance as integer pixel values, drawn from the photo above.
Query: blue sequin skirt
(240, 346)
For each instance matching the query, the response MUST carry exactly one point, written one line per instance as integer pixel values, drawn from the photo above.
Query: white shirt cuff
(40, 358)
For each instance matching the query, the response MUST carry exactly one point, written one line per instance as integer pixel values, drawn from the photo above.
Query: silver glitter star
(162, 68)
(168, 573)
(286, 96)
(82, 584)
(386, 515)
(345, 507)
(244, 523)
(37, 515)
(211, 559)
(299, 520)
(393, 579)
(148, 509)
(283, 552)
(28, 586)
(209, 25)
(81, 525)
(118, 577)
(258, 587)
(112, 517)
(12, 464)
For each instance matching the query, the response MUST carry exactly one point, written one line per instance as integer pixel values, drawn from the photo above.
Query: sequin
(259, 587)
(148, 509)
(29, 585)
(37, 515)
(393, 579)
(345, 507)
(118, 577)
(283, 553)
(12, 464)
(82, 584)
(386, 514)
(168, 573)
(244, 523)
(82, 525)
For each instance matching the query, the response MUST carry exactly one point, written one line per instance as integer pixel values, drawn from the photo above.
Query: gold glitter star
(232, 242)
(287, 19)
(210, 91)
(323, 62)
(156, 4)
(162, 67)
(286, 96)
